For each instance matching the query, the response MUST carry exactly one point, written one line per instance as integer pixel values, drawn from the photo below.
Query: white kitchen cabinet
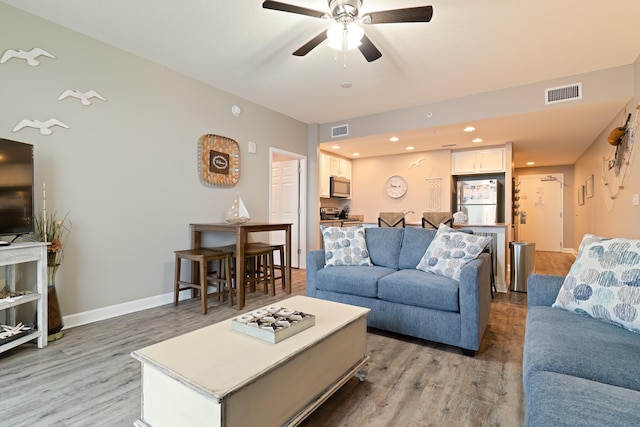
(325, 175)
(340, 167)
(331, 166)
(478, 161)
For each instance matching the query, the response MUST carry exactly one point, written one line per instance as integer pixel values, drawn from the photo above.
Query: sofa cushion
(351, 280)
(558, 400)
(564, 342)
(450, 250)
(415, 242)
(604, 282)
(415, 287)
(384, 245)
(345, 246)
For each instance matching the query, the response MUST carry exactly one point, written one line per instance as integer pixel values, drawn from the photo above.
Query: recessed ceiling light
(477, 140)
(356, 154)
(411, 147)
(531, 163)
(336, 147)
(394, 139)
(469, 129)
(346, 85)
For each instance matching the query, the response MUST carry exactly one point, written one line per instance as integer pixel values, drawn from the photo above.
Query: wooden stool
(203, 257)
(258, 265)
(276, 267)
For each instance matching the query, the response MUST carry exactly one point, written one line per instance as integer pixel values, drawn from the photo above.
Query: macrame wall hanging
(433, 194)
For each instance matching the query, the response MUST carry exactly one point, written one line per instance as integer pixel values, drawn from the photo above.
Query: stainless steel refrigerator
(479, 200)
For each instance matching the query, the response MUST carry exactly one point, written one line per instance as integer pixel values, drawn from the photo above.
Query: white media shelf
(19, 253)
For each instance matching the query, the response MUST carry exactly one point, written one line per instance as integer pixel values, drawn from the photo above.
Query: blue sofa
(577, 371)
(403, 299)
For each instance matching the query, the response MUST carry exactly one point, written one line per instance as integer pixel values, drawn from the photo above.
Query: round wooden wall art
(218, 161)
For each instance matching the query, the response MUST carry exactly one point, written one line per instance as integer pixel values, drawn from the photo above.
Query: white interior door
(285, 199)
(541, 211)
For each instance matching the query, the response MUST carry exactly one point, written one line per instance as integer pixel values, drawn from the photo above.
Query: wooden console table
(18, 253)
(242, 231)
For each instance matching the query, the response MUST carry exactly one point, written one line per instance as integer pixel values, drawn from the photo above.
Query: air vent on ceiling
(570, 92)
(338, 131)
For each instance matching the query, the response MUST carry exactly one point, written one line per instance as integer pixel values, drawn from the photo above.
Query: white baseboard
(79, 319)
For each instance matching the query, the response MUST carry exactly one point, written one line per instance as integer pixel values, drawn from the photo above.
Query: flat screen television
(16, 188)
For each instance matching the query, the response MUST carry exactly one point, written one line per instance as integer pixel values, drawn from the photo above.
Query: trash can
(523, 263)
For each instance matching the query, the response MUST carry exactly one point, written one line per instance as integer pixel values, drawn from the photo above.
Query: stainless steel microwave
(340, 187)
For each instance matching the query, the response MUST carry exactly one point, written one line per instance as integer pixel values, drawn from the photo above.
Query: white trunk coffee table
(216, 376)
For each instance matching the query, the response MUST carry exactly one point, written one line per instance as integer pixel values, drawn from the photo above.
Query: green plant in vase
(55, 229)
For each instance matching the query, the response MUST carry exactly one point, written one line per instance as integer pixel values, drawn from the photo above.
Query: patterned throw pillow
(604, 282)
(345, 246)
(450, 250)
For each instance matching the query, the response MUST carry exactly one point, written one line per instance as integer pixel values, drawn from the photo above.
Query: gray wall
(126, 168)
(603, 215)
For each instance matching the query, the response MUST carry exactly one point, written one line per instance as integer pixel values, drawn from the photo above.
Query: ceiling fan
(346, 34)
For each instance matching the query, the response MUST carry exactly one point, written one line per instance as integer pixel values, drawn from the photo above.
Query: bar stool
(434, 219)
(222, 281)
(259, 268)
(391, 219)
(276, 267)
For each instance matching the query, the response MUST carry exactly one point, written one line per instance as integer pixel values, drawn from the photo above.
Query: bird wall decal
(416, 163)
(30, 56)
(43, 126)
(83, 97)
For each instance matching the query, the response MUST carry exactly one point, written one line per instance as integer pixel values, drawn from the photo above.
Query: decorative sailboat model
(237, 213)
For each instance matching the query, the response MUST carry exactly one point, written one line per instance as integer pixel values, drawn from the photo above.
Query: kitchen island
(497, 232)
(499, 245)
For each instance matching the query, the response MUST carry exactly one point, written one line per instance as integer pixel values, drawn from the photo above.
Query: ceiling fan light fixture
(351, 31)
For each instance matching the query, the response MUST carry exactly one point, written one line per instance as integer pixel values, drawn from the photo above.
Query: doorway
(541, 211)
(287, 200)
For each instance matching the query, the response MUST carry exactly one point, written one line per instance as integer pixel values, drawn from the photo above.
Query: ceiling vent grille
(338, 131)
(553, 95)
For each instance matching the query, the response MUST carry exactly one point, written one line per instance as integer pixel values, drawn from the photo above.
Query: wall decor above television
(16, 188)
(37, 124)
(30, 56)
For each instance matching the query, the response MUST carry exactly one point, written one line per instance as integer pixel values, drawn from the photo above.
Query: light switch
(636, 199)
(252, 147)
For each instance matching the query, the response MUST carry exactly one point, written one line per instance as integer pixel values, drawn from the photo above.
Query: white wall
(126, 168)
(370, 175)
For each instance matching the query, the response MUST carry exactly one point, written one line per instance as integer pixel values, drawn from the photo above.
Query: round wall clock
(396, 186)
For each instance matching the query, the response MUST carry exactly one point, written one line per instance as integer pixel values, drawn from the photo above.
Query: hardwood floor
(88, 378)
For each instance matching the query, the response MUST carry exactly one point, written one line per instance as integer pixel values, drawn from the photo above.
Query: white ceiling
(468, 48)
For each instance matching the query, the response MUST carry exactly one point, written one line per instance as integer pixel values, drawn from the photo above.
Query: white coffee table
(216, 376)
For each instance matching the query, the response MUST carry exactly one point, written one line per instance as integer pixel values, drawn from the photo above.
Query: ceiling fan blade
(284, 7)
(410, 14)
(369, 51)
(308, 46)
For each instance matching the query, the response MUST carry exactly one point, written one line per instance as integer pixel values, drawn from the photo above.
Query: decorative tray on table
(273, 324)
